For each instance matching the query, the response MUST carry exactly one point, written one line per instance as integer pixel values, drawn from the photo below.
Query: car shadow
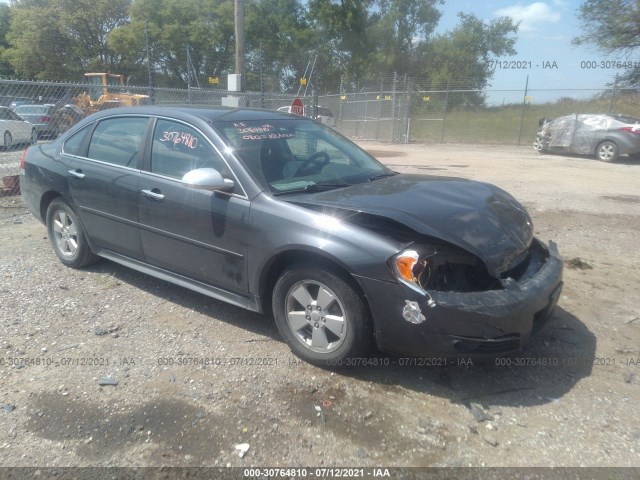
(553, 361)
(622, 160)
(251, 321)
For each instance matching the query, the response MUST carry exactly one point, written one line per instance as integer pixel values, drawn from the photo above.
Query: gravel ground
(102, 366)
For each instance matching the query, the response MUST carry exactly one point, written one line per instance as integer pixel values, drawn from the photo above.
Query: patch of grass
(509, 124)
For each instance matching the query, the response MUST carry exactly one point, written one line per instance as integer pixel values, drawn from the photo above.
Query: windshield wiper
(382, 175)
(314, 187)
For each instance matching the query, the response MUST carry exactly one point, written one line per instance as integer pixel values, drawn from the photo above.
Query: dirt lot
(569, 399)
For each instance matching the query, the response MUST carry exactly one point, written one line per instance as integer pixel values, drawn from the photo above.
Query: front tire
(539, 144)
(67, 236)
(323, 319)
(607, 151)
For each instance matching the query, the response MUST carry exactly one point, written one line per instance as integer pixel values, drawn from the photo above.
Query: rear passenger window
(118, 141)
(74, 143)
(178, 149)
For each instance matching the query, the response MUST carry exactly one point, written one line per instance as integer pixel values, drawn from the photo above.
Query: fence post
(380, 102)
(150, 79)
(444, 115)
(613, 94)
(408, 108)
(393, 108)
(342, 90)
(524, 104)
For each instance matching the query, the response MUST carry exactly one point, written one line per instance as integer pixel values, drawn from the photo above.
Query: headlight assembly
(443, 268)
(408, 267)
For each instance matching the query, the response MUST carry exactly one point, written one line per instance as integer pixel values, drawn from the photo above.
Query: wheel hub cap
(316, 316)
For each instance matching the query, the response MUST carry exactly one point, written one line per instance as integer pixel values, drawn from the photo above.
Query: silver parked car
(604, 135)
(42, 117)
(14, 129)
(325, 116)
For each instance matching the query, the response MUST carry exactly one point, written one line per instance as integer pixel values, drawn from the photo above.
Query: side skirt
(249, 302)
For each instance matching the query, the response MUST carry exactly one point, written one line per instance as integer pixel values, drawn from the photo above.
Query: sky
(544, 37)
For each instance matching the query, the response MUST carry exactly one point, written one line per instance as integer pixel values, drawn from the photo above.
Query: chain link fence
(391, 109)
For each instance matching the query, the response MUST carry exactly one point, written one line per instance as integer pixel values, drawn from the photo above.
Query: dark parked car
(279, 214)
(42, 117)
(603, 135)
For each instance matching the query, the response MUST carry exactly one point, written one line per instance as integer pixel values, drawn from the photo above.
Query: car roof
(206, 113)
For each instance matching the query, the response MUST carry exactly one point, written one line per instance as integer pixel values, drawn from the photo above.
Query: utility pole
(239, 29)
(150, 79)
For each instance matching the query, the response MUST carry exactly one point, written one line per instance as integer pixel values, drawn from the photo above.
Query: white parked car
(324, 114)
(14, 130)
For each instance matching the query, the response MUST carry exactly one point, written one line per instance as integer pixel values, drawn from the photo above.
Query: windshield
(298, 155)
(31, 110)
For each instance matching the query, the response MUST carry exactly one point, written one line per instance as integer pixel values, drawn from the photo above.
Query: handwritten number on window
(179, 138)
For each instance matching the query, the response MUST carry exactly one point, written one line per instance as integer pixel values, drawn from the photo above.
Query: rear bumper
(476, 323)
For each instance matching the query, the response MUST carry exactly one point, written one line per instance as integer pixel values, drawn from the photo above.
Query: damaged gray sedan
(604, 135)
(278, 214)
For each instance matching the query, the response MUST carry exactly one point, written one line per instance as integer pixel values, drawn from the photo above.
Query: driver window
(178, 149)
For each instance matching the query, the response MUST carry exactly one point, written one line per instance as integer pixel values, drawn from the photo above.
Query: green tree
(5, 21)
(204, 27)
(32, 34)
(61, 39)
(343, 35)
(613, 26)
(278, 35)
(403, 26)
(86, 26)
(460, 58)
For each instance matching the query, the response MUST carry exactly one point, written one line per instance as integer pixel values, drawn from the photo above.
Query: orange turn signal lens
(405, 267)
(405, 264)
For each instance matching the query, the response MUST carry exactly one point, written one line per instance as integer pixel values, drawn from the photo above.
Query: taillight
(635, 129)
(24, 154)
(44, 119)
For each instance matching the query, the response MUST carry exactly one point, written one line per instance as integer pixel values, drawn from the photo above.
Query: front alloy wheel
(320, 315)
(539, 144)
(66, 235)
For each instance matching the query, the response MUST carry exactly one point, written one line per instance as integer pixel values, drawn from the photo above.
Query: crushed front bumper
(471, 323)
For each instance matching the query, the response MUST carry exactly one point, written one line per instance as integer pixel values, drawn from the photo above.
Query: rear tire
(67, 237)
(8, 141)
(607, 151)
(323, 319)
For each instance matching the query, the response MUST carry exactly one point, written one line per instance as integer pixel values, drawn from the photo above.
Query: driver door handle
(77, 173)
(155, 195)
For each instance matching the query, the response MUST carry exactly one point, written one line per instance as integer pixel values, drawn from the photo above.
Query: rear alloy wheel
(607, 151)
(321, 316)
(8, 141)
(66, 235)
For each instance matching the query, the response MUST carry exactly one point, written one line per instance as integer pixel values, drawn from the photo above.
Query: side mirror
(207, 179)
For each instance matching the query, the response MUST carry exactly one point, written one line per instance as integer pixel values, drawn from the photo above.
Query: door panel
(195, 233)
(105, 186)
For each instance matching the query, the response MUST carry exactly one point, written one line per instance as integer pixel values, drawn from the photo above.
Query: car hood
(475, 216)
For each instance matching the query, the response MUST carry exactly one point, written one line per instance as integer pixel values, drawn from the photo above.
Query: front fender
(277, 227)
